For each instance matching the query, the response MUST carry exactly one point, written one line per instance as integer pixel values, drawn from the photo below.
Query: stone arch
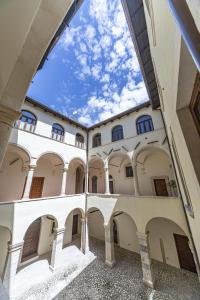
(76, 176)
(73, 226)
(153, 171)
(38, 237)
(96, 168)
(13, 172)
(53, 154)
(162, 233)
(96, 223)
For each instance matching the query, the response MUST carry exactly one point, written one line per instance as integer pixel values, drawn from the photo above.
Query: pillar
(64, 181)
(106, 169)
(145, 259)
(28, 184)
(11, 265)
(7, 118)
(84, 236)
(135, 180)
(109, 245)
(57, 247)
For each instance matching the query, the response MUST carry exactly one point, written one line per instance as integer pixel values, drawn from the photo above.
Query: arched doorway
(96, 176)
(115, 232)
(169, 244)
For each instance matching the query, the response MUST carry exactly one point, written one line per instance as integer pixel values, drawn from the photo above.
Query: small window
(79, 141)
(27, 121)
(144, 124)
(96, 140)
(129, 171)
(117, 133)
(57, 132)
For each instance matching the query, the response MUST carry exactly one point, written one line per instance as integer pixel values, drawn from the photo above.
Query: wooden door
(36, 187)
(75, 225)
(185, 256)
(31, 240)
(160, 187)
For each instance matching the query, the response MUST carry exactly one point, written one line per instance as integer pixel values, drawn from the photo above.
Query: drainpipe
(188, 28)
(180, 193)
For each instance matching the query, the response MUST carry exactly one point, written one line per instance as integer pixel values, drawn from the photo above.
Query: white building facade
(113, 181)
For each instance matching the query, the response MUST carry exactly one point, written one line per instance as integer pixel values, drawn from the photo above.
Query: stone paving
(124, 280)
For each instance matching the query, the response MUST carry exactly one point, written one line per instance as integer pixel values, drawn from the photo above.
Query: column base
(110, 263)
(148, 283)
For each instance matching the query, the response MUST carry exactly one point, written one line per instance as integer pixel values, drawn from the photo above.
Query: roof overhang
(134, 12)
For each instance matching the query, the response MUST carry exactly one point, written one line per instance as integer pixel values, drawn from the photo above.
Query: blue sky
(93, 72)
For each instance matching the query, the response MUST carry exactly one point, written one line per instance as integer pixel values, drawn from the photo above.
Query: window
(117, 133)
(57, 132)
(79, 141)
(94, 184)
(111, 185)
(96, 140)
(144, 124)
(27, 121)
(129, 171)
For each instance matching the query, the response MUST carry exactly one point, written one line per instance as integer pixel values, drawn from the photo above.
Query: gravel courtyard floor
(124, 280)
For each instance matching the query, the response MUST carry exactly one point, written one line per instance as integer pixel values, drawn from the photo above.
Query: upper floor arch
(144, 124)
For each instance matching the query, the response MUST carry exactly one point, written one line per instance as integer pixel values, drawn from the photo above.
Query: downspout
(181, 197)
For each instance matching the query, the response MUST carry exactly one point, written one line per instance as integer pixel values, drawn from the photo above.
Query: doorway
(31, 240)
(185, 256)
(160, 187)
(75, 225)
(36, 187)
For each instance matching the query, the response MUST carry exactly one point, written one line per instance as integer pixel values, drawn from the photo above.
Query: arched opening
(5, 238)
(96, 176)
(79, 141)
(96, 140)
(57, 132)
(13, 173)
(27, 121)
(38, 240)
(120, 179)
(76, 177)
(96, 232)
(47, 178)
(155, 173)
(124, 232)
(117, 133)
(169, 244)
(72, 235)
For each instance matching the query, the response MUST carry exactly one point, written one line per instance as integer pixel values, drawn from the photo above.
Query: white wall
(4, 239)
(95, 223)
(46, 236)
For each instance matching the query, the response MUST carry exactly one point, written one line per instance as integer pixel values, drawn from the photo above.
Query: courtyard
(124, 280)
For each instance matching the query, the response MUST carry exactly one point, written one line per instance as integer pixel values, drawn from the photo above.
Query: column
(107, 187)
(7, 117)
(11, 265)
(84, 236)
(64, 182)
(135, 180)
(109, 245)
(145, 259)
(57, 248)
(28, 184)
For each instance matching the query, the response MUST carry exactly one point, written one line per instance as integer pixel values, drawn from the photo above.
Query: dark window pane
(144, 124)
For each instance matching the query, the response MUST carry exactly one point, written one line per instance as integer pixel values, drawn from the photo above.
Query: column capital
(8, 115)
(14, 247)
(65, 169)
(59, 231)
(32, 167)
(142, 235)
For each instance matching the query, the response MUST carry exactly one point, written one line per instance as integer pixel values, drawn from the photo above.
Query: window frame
(56, 135)
(94, 138)
(141, 126)
(126, 167)
(79, 143)
(24, 124)
(117, 130)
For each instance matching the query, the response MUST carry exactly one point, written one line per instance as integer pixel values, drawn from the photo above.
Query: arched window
(96, 140)
(94, 184)
(57, 132)
(27, 121)
(79, 141)
(111, 185)
(144, 124)
(117, 133)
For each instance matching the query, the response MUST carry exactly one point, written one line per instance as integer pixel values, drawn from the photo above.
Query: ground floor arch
(169, 244)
